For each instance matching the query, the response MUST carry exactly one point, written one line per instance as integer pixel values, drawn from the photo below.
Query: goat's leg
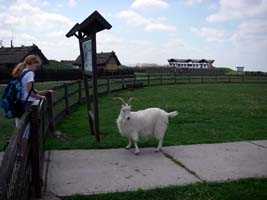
(159, 132)
(135, 140)
(137, 151)
(129, 144)
(159, 145)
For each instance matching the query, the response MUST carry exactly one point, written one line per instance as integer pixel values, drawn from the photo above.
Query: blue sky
(146, 31)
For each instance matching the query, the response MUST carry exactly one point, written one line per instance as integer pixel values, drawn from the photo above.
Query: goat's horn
(121, 99)
(130, 99)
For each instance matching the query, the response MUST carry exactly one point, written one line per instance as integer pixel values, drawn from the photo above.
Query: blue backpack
(11, 99)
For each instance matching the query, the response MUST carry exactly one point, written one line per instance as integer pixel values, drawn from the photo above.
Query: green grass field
(208, 113)
(250, 189)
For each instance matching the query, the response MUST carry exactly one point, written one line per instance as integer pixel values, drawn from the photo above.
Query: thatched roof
(14, 55)
(101, 58)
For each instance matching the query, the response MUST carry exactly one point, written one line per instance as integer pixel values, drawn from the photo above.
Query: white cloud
(29, 23)
(150, 4)
(251, 29)
(21, 16)
(239, 9)
(46, 3)
(2, 7)
(59, 5)
(144, 51)
(133, 18)
(210, 34)
(156, 26)
(249, 39)
(193, 2)
(72, 3)
(246, 45)
(251, 36)
(108, 41)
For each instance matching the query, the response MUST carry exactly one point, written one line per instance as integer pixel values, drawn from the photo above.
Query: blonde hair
(29, 60)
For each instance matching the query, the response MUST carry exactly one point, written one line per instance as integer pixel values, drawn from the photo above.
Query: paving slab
(262, 143)
(89, 172)
(221, 162)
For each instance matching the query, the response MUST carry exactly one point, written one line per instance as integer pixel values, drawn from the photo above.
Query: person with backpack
(25, 73)
(20, 94)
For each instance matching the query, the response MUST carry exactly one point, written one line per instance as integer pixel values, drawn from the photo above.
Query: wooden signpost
(86, 34)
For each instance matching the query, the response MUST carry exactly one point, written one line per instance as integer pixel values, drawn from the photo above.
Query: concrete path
(221, 162)
(89, 172)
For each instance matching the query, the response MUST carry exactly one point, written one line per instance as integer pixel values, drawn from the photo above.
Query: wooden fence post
(108, 85)
(243, 78)
(134, 81)
(161, 78)
(66, 97)
(122, 82)
(202, 81)
(50, 110)
(175, 78)
(229, 78)
(80, 92)
(51, 117)
(148, 80)
(35, 151)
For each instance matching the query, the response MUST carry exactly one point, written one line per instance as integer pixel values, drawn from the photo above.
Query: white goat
(151, 122)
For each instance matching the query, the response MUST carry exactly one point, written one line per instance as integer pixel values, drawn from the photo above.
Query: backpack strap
(29, 94)
(24, 73)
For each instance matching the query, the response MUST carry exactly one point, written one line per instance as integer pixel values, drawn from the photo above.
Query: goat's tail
(172, 114)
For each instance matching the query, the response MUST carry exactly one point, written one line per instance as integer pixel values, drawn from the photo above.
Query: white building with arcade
(191, 63)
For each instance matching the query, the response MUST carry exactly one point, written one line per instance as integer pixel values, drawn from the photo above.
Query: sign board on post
(86, 33)
(87, 54)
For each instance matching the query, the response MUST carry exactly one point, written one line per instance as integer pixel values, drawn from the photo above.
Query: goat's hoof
(127, 147)
(157, 150)
(137, 152)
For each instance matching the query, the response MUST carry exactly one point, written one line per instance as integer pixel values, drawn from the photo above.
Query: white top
(27, 78)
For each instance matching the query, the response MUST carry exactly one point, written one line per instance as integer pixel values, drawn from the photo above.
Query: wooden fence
(69, 95)
(18, 177)
(21, 169)
(174, 78)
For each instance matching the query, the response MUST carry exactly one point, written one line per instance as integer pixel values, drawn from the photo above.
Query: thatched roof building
(105, 61)
(11, 56)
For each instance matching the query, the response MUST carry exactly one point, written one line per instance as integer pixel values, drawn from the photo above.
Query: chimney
(11, 43)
